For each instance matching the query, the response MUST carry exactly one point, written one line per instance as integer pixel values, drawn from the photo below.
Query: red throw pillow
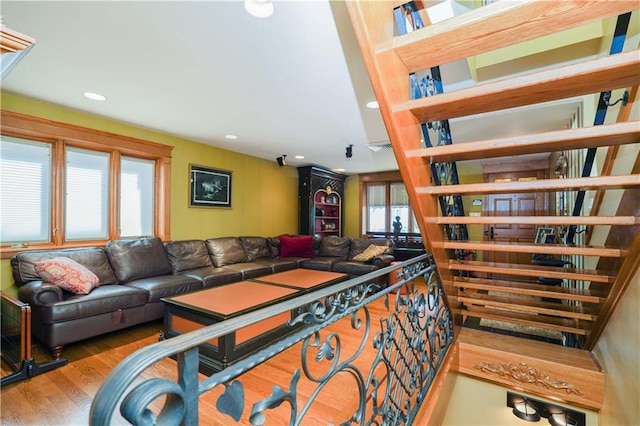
(296, 246)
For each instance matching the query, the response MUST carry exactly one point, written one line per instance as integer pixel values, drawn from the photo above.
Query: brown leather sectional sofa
(135, 275)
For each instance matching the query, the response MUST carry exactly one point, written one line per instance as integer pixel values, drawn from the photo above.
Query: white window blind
(376, 196)
(136, 197)
(400, 205)
(86, 201)
(25, 191)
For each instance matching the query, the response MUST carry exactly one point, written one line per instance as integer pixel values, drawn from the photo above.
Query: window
(66, 186)
(86, 202)
(385, 201)
(376, 209)
(25, 191)
(136, 197)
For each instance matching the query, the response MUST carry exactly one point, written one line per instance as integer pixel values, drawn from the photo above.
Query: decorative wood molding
(523, 373)
(13, 41)
(551, 371)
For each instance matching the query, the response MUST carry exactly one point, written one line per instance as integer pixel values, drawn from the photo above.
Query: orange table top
(232, 298)
(301, 278)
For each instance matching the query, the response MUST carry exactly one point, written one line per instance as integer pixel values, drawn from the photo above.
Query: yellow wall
(351, 208)
(477, 403)
(618, 352)
(264, 195)
(471, 176)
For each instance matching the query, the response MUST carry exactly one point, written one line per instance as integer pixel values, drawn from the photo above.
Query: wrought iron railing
(408, 346)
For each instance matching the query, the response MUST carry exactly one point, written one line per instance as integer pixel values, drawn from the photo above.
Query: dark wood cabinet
(320, 194)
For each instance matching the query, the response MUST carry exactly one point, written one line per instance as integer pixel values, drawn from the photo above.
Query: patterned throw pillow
(67, 274)
(369, 253)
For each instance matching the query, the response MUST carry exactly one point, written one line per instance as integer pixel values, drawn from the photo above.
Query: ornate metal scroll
(409, 346)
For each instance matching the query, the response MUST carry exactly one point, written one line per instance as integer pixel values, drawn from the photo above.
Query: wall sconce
(532, 410)
(282, 160)
(349, 152)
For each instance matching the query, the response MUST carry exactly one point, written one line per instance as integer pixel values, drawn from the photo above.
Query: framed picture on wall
(544, 235)
(209, 187)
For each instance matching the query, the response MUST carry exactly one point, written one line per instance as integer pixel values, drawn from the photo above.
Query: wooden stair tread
(537, 220)
(516, 247)
(532, 270)
(495, 26)
(532, 289)
(579, 138)
(561, 310)
(598, 75)
(540, 321)
(570, 184)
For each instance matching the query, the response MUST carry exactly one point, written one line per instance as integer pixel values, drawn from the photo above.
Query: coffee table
(189, 312)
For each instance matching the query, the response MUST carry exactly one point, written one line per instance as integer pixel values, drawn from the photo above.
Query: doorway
(519, 204)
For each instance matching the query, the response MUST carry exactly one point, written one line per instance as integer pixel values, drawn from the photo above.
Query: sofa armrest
(383, 260)
(39, 293)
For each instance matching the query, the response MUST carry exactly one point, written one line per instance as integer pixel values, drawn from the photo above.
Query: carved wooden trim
(13, 41)
(521, 372)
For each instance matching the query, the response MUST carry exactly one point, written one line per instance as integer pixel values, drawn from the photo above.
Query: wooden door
(522, 204)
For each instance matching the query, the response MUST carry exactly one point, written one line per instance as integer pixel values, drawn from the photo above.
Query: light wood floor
(63, 396)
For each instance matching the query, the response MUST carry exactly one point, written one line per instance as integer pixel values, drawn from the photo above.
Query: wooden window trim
(62, 135)
(385, 178)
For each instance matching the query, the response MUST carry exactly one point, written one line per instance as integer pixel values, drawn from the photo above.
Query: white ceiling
(292, 84)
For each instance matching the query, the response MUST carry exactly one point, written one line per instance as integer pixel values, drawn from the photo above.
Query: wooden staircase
(488, 290)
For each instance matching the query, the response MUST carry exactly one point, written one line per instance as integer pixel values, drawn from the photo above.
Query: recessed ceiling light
(373, 105)
(259, 8)
(95, 96)
(338, 170)
(299, 157)
(231, 136)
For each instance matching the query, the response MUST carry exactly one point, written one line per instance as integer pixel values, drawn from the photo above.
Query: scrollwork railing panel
(382, 357)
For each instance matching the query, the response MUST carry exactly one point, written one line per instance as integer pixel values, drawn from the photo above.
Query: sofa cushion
(166, 286)
(353, 268)
(211, 277)
(67, 274)
(274, 246)
(226, 251)
(140, 258)
(359, 245)
(335, 247)
(255, 248)
(296, 246)
(188, 254)
(369, 253)
(319, 263)
(281, 264)
(104, 299)
(93, 258)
